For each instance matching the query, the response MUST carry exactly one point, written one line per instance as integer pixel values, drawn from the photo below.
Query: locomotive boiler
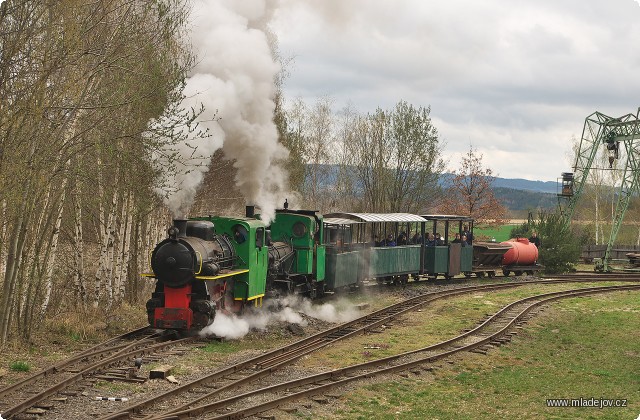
(191, 250)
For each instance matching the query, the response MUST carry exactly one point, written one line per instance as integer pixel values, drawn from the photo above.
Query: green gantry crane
(621, 138)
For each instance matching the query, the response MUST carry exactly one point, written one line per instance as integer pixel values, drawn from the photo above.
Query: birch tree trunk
(78, 247)
(3, 238)
(102, 233)
(111, 243)
(51, 253)
(106, 231)
(37, 269)
(133, 265)
(14, 255)
(126, 247)
(597, 221)
(50, 260)
(45, 246)
(119, 250)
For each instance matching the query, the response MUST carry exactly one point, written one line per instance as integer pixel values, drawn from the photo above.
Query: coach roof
(376, 217)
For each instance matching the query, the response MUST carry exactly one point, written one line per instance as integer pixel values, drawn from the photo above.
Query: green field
(628, 233)
(577, 349)
(500, 234)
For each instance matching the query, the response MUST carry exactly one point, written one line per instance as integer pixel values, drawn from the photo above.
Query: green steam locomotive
(210, 264)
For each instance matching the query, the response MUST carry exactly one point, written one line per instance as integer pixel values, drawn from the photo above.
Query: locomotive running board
(220, 276)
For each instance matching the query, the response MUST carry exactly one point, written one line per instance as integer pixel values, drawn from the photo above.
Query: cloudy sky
(515, 78)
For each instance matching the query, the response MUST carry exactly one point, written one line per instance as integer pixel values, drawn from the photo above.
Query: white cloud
(516, 79)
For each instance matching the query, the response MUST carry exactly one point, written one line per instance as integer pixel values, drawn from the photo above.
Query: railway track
(584, 275)
(251, 370)
(496, 330)
(591, 275)
(71, 375)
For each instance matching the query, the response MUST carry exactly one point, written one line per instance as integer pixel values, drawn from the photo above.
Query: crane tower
(621, 138)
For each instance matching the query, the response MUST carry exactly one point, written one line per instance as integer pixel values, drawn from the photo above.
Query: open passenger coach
(392, 247)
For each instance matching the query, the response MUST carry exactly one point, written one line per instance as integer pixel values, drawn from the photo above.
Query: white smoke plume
(288, 309)
(335, 312)
(234, 80)
(227, 326)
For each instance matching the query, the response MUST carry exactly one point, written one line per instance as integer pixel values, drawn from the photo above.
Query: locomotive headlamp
(173, 232)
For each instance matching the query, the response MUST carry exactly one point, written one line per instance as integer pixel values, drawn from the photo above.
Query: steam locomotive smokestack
(251, 211)
(181, 225)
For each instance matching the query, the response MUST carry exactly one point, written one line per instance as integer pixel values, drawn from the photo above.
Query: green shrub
(20, 366)
(521, 231)
(560, 247)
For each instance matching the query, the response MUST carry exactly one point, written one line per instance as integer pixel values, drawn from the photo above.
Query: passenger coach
(392, 247)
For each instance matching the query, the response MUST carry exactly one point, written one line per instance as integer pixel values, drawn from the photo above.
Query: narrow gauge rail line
(491, 331)
(99, 350)
(585, 274)
(82, 365)
(106, 346)
(463, 280)
(255, 368)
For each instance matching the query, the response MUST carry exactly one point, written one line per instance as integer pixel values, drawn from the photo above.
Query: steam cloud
(288, 309)
(234, 76)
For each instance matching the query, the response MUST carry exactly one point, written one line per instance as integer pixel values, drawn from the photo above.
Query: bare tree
(416, 153)
(81, 81)
(291, 125)
(372, 160)
(346, 187)
(320, 138)
(396, 158)
(596, 193)
(470, 192)
(218, 192)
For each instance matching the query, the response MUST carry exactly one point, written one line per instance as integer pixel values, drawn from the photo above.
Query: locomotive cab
(296, 257)
(244, 282)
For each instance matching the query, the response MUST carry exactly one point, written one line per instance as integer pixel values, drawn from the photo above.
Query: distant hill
(520, 194)
(515, 193)
(526, 185)
(514, 184)
(520, 199)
